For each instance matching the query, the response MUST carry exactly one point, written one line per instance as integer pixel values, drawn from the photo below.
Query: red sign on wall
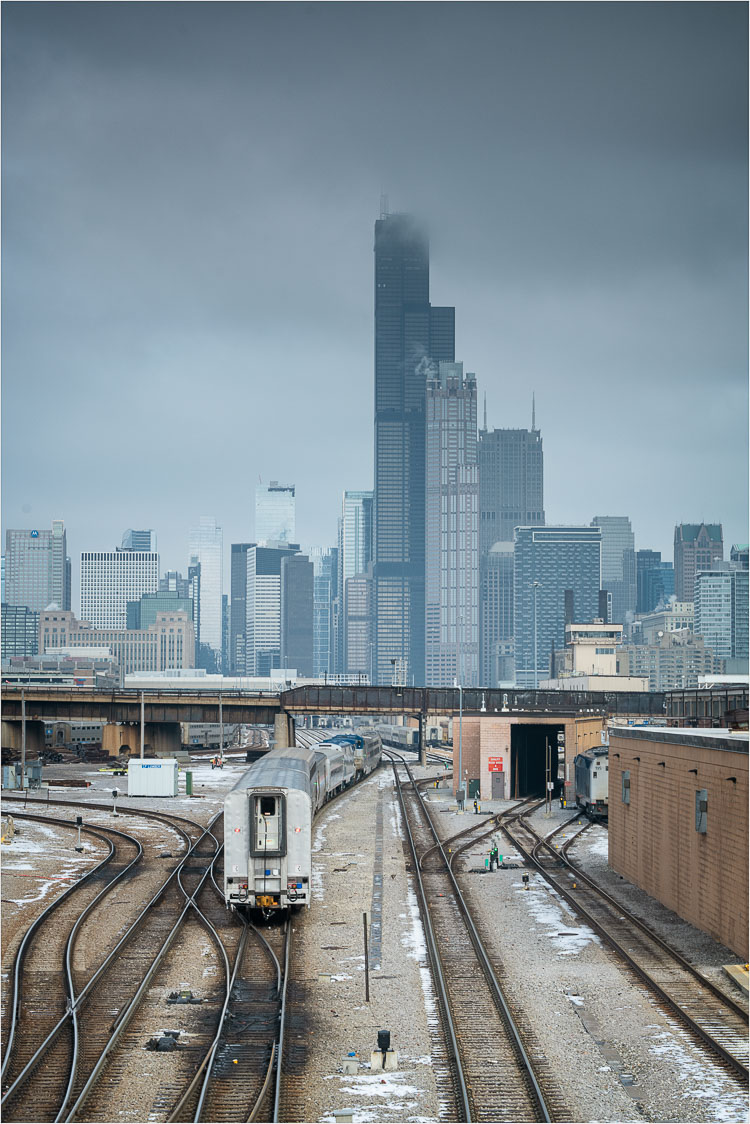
(495, 764)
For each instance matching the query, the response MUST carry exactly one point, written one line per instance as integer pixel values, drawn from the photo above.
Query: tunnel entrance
(528, 758)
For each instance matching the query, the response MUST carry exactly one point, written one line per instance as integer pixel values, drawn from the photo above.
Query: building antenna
(485, 411)
(533, 411)
(383, 205)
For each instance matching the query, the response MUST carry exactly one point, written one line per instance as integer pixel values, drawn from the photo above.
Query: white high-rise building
(37, 568)
(274, 513)
(111, 578)
(206, 546)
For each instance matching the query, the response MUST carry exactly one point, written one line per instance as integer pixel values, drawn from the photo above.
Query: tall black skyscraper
(411, 337)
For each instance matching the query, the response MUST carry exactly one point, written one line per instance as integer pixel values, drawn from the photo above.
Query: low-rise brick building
(678, 823)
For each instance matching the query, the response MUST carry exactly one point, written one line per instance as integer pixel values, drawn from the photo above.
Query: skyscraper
(37, 568)
(696, 547)
(354, 556)
(411, 337)
(452, 516)
(648, 580)
(618, 564)
(274, 513)
(511, 494)
(111, 578)
(547, 562)
(263, 607)
(297, 580)
(238, 608)
(139, 540)
(325, 581)
(721, 610)
(206, 546)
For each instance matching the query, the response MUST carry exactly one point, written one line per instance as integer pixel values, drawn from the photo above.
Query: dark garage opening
(528, 759)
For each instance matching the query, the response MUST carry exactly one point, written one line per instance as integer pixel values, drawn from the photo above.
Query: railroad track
(494, 1076)
(717, 1020)
(113, 992)
(44, 980)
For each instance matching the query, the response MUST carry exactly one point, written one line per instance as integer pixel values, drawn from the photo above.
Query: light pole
(535, 586)
(460, 730)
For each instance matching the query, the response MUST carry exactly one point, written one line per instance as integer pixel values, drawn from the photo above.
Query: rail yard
(536, 986)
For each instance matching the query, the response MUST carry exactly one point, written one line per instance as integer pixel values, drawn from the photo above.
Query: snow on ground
(549, 909)
(596, 841)
(390, 1087)
(18, 858)
(699, 1078)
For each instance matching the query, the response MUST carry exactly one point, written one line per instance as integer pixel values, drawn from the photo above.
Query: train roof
(280, 768)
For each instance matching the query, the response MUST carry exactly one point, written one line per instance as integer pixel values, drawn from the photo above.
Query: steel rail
(127, 1013)
(282, 1022)
(33, 929)
(437, 969)
(715, 990)
(486, 966)
(103, 967)
(641, 972)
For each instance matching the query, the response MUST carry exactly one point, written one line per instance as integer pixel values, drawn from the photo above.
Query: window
(701, 810)
(626, 786)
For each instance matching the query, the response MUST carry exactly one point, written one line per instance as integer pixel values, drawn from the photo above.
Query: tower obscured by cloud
(411, 337)
(274, 513)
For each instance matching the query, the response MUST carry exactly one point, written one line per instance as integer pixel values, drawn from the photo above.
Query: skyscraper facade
(109, 579)
(721, 610)
(355, 529)
(37, 568)
(297, 587)
(274, 513)
(618, 564)
(548, 561)
(452, 535)
(325, 581)
(411, 337)
(20, 631)
(263, 608)
(511, 494)
(238, 607)
(697, 546)
(139, 540)
(206, 546)
(648, 580)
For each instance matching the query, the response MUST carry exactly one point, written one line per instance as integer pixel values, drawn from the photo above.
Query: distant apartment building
(673, 661)
(37, 568)
(697, 546)
(296, 607)
(511, 494)
(166, 644)
(677, 616)
(263, 607)
(451, 528)
(206, 548)
(238, 607)
(618, 565)
(20, 631)
(274, 513)
(111, 578)
(721, 611)
(548, 562)
(143, 541)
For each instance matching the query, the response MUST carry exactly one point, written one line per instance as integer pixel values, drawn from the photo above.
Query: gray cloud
(189, 193)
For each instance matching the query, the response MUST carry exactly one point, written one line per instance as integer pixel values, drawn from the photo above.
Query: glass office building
(721, 611)
(274, 513)
(618, 564)
(548, 562)
(206, 548)
(325, 581)
(411, 337)
(37, 568)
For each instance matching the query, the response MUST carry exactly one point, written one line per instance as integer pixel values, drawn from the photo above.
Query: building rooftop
(716, 738)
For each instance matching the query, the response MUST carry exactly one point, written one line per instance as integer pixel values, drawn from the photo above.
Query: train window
(267, 805)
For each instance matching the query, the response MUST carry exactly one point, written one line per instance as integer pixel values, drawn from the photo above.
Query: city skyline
(611, 280)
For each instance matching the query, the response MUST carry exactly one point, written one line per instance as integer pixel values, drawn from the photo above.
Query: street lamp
(535, 586)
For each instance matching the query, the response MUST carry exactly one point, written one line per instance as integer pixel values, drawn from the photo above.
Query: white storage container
(152, 777)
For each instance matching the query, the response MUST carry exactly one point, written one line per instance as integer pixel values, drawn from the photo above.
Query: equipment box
(153, 777)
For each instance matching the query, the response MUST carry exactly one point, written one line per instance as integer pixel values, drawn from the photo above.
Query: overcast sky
(189, 193)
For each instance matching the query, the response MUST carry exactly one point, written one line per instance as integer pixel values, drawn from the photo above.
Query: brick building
(678, 823)
(166, 644)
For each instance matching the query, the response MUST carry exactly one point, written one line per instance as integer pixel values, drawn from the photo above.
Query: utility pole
(143, 724)
(23, 739)
(548, 779)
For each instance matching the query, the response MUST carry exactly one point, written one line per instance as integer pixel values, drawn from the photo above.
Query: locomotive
(269, 813)
(592, 780)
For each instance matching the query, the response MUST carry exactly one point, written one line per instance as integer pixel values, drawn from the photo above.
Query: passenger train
(269, 813)
(592, 780)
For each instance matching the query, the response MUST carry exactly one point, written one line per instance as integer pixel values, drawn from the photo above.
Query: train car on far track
(592, 780)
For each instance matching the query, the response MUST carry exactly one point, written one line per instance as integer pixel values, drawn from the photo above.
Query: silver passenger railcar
(592, 780)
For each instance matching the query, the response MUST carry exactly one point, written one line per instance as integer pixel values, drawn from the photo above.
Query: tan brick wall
(653, 842)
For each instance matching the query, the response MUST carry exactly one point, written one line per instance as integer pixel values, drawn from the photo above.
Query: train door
(269, 824)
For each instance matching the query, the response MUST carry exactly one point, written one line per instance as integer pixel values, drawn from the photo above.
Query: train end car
(592, 781)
